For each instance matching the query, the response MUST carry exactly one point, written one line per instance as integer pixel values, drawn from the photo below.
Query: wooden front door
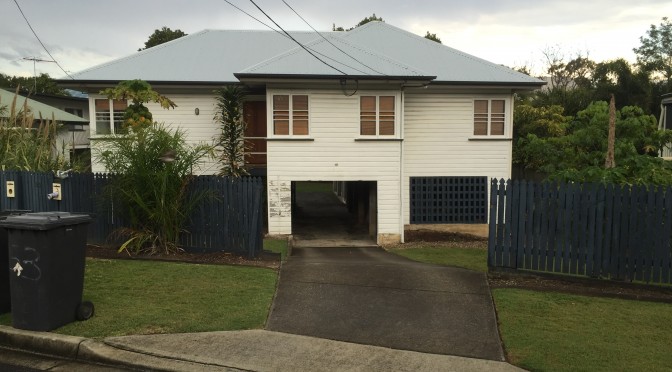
(254, 113)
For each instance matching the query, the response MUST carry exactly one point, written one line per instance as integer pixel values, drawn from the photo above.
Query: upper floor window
(489, 117)
(109, 115)
(290, 114)
(376, 115)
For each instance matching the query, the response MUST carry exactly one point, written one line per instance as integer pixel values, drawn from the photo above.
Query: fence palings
(228, 216)
(595, 230)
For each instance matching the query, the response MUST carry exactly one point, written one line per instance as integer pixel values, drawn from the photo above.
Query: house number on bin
(26, 267)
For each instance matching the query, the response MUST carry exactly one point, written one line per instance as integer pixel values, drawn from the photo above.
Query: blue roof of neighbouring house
(375, 50)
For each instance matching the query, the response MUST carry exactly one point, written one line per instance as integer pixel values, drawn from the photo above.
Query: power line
(329, 41)
(255, 18)
(291, 37)
(41, 43)
(287, 37)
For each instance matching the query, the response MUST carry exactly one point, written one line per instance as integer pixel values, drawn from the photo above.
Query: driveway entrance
(369, 296)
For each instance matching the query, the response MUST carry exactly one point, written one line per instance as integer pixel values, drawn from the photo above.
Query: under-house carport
(334, 214)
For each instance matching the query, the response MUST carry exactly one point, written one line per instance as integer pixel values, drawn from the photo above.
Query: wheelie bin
(46, 260)
(5, 302)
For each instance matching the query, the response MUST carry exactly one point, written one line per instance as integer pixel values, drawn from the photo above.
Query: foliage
(139, 92)
(433, 37)
(161, 36)
(575, 150)
(151, 168)
(545, 331)
(42, 84)
(26, 143)
(536, 122)
(469, 258)
(361, 23)
(655, 53)
(231, 143)
(145, 297)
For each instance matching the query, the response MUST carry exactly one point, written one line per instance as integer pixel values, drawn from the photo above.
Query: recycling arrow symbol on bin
(17, 269)
(28, 268)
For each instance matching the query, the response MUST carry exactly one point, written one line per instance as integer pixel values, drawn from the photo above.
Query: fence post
(492, 226)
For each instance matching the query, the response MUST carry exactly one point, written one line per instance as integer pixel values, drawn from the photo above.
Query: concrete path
(368, 296)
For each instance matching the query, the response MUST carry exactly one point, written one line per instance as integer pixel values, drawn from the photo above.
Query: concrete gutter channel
(254, 350)
(94, 351)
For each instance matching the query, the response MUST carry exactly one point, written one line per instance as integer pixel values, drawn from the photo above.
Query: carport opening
(343, 210)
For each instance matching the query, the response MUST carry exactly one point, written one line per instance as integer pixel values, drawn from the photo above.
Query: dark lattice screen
(449, 200)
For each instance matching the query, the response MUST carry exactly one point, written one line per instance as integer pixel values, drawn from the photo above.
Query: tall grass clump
(27, 143)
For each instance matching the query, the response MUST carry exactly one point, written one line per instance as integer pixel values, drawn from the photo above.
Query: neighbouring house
(410, 130)
(73, 131)
(665, 121)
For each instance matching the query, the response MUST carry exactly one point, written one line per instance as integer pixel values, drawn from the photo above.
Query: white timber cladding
(200, 128)
(439, 140)
(331, 153)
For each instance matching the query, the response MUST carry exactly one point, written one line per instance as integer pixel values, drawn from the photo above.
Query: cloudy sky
(83, 33)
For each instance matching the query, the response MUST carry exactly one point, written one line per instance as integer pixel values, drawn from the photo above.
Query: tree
(161, 36)
(655, 53)
(231, 140)
(433, 37)
(580, 154)
(151, 168)
(42, 84)
(138, 92)
(361, 23)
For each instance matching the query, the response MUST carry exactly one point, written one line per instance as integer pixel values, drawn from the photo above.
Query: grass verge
(468, 258)
(145, 297)
(277, 246)
(544, 331)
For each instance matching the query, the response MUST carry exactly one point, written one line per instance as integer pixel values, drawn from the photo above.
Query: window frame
(111, 122)
(506, 118)
(397, 116)
(291, 114)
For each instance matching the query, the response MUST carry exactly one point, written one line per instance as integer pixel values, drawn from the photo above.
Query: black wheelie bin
(46, 261)
(5, 302)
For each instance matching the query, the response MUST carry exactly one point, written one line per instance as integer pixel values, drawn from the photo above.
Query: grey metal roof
(39, 109)
(448, 64)
(340, 58)
(375, 50)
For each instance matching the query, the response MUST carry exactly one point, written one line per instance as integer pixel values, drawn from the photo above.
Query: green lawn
(143, 297)
(277, 246)
(561, 332)
(468, 258)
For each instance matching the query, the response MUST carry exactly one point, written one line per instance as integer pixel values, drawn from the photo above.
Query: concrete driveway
(369, 296)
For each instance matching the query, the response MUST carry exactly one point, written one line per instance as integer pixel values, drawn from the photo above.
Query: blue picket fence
(228, 219)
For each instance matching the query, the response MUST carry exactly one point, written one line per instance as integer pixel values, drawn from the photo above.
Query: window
(109, 116)
(376, 115)
(290, 115)
(75, 111)
(489, 117)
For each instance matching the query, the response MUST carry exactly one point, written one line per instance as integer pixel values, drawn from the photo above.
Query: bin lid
(44, 220)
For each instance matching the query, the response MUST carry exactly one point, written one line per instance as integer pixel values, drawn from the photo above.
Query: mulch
(427, 238)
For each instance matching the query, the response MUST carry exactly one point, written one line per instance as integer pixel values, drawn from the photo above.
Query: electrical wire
(329, 41)
(287, 37)
(41, 43)
(296, 41)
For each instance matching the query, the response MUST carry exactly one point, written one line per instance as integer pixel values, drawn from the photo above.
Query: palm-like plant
(231, 142)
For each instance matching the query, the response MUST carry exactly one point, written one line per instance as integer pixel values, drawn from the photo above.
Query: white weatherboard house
(415, 127)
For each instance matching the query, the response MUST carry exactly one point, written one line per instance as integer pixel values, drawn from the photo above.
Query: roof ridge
(142, 52)
(436, 45)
